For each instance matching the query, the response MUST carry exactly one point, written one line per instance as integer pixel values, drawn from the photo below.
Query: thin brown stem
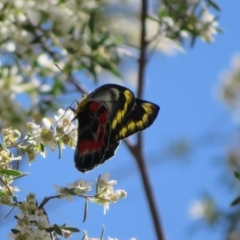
(80, 87)
(136, 150)
(46, 199)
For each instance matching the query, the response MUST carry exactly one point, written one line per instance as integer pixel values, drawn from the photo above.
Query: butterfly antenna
(78, 85)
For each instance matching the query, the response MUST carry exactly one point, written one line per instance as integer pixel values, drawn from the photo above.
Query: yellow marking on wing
(128, 95)
(145, 118)
(121, 113)
(140, 124)
(132, 126)
(123, 132)
(148, 107)
(114, 123)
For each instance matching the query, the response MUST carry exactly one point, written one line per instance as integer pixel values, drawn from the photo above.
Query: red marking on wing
(102, 118)
(94, 106)
(92, 145)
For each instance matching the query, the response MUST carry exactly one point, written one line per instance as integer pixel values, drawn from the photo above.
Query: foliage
(33, 219)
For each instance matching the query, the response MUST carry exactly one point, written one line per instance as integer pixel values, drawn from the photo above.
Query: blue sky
(185, 87)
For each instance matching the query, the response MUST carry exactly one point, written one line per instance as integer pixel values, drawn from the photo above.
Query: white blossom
(208, 26)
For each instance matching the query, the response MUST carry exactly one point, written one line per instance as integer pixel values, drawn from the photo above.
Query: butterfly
(105, 117)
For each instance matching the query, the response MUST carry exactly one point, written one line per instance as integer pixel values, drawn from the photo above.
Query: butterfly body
(106, 116)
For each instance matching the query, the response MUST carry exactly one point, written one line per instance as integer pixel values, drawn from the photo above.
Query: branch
(136, 150)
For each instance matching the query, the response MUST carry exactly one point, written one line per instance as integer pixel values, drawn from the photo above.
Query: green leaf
(237, 175)
(60, 150)
(193, 40)
(107, 65)
(214, 5)
(103, 228)
(57, 87)
(236, 201)
(71, 229)
(85, 211)
(57, 229)
(42, 147)
(69, 191)
(162, 13)
(91, 22)
(102, 40)
(22, 175)
(114, 71)
(15, 231)
(92, 70)
(11, 172)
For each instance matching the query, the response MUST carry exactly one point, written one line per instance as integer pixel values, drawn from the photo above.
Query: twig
(46, 199)
(76, 83)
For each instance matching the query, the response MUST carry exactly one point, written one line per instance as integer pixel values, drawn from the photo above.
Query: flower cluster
(32, 223)
(177, 22)
(208, 26)
(63, 132)
(204, 209)
(229, 87)
(78, 188)
(104, 195)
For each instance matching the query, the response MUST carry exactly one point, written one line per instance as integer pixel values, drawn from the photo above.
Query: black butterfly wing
(141, 117)
(106, 116)
(110, 152)
(93, 136)
(118, 100)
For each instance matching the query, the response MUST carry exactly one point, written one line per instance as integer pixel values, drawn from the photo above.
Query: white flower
(168, 21)
(197, 210)
(45, 61)
(103, 180)
(80, 187)
(69, 115)
(118, 194)
(41, 235)
(208, 26)
(66, 233)
(63, 192)
(46, 123)
(105, 193)
(10, 46)
(40, 218)
(48, 135)
(105, 186)
(33, 128)
(64, 121)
